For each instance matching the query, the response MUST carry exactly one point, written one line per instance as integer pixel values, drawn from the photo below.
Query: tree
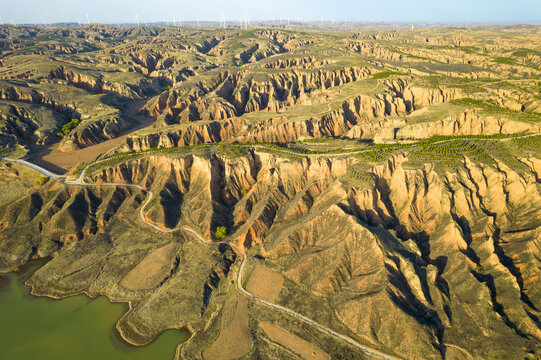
(221, 231)
(66, 129)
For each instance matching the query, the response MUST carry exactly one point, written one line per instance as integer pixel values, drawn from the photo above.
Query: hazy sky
(111, 11)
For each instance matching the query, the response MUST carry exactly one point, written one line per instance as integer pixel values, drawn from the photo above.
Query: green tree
(221, 231)
(66, 129)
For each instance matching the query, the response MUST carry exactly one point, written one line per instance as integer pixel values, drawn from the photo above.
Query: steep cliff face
(416, 97)
(93, 85)
(26, 127)
(234, 94)
(307, 62)
(93, 133)
(467, 123)
(20, 124)
(32, 96)
(371, 50)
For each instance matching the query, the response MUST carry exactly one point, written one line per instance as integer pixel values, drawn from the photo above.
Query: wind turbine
(197, 21)
(87, 18)
(174, 21)
(223, 21)
(43, 19)
(12, 22)
(137, 19)
(79, 21)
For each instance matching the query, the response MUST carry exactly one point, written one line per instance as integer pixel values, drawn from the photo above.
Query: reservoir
(72, 328)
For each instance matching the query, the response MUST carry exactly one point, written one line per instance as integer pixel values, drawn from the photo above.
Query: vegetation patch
(67, 128)
(386, 74)
(221, 232)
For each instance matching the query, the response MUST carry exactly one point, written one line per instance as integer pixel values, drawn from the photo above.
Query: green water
(73, 328)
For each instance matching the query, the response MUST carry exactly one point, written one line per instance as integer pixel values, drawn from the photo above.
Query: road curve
(43, 171)
(79, 182)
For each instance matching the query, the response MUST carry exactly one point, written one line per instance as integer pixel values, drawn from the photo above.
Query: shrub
(243, 191)
(42, 180)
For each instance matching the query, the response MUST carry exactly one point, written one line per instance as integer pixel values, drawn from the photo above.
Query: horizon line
(284, 22)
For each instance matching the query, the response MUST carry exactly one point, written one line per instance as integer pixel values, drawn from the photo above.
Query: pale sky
(112, 11)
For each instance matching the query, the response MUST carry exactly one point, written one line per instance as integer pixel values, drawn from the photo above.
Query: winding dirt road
(80, 182)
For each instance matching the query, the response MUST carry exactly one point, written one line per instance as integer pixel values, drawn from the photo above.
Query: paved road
(79, 182)
(35, 167)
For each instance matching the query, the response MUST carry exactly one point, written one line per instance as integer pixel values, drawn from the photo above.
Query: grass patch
(386, 74)
(504, 60)
(525, 52)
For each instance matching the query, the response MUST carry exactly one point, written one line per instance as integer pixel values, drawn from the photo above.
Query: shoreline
(26, 271)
